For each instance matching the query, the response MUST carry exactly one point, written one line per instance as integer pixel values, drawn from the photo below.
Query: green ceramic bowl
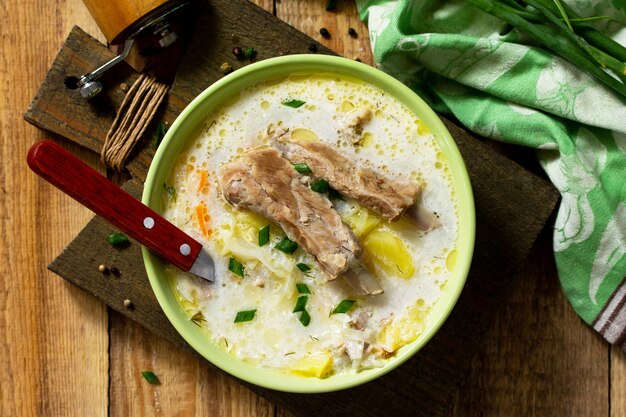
(184, 129)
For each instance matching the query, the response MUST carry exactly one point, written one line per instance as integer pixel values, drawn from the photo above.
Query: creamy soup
(249, 310)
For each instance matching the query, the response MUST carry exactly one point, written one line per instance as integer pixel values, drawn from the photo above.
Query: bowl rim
(281, 67)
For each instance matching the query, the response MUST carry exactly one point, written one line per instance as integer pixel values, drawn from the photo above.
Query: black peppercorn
(115, 271)
(313, 47)
(325, 33)
(237, 51)
(352, 32)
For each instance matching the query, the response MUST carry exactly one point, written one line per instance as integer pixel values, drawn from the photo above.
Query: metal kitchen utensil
(88, 187)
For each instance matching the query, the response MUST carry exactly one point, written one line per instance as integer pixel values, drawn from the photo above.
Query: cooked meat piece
(266, 183)
(351, 126)
(385, 196)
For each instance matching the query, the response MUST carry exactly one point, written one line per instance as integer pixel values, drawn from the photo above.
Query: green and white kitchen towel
(500, 85)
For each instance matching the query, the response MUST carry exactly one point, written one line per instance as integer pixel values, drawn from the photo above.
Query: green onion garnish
(293, 103)
(264, 235)
(235, 267)
(151, 377)
(300, 304)
(286, 245)
(303, 289)
(320, 186)
(158, 137)
(245, 315)
(303, 267)
(249, 53)
(302, 168)
(116, 239)
(305, 318)
(343, 307)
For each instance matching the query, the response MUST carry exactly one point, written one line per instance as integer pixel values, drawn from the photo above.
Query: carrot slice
(202, 214)
(204, 180)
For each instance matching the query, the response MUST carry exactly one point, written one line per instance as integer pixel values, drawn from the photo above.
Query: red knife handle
(88, 187)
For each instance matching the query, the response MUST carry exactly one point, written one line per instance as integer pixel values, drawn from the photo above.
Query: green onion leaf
(305, 318)
(303, 267)
(245, 315)
(320, 186)
(300, 304)
(287, 245)
(249, 53)
(343, 307)
(293, 103)
(151, 377)
(158, 137)
(303, 289)
(264, 235)
(235, 267)
(116, 239)
(302, 168)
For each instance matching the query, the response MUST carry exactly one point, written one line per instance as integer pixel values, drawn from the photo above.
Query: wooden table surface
(63, 353)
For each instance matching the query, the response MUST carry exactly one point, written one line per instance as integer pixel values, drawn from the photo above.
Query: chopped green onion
(264, 235)
(305, 318)
(249, 53)
(320, 186)
(303, 267)
(245, 315)
(293, 103)
(287, 245)
(302, 168)
(151, 377)
(303, 289)
(235, 267)
(343, 307)
(116, 239)
(158, 137)
(300, 304)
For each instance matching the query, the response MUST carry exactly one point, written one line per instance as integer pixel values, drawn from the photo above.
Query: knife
(106, 199)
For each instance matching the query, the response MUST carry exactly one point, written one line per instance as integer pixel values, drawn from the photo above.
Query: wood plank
(539, 358)
(53, 347)
(189, 387)
(617, 382)
(337, 22)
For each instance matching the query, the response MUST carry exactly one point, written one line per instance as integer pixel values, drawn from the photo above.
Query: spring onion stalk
(600, 57)
(591, 59)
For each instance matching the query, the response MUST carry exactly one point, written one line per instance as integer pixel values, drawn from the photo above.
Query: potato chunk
(388, 252)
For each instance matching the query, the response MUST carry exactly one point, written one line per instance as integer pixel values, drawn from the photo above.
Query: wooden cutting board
(512, 206)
